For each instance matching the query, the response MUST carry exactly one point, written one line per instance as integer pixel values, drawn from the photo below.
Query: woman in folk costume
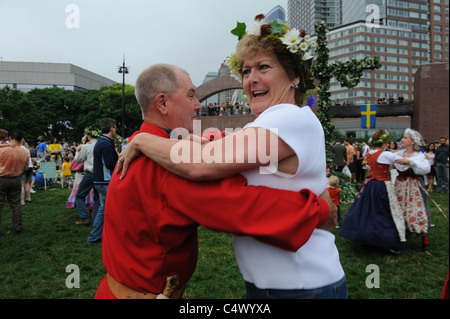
(409, 186)
(375, 217)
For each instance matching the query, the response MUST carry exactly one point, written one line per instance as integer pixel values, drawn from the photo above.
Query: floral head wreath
(92, 132)
(383, 138)
(296, 42)
(415, 136)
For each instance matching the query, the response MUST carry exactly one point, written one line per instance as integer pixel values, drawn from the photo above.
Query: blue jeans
(83, 190)
(97, 226)
(337, 290)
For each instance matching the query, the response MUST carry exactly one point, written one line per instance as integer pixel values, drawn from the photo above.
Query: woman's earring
(296, 86)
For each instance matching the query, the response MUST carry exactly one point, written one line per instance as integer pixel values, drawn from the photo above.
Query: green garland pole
(348, 74)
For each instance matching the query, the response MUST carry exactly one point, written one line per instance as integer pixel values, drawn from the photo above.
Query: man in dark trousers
(340, 155)
(442, 165)
(105, 159)
(14, 161)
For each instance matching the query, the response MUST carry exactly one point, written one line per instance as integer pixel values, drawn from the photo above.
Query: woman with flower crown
(375, 217)
(409, 186)
(273, 62)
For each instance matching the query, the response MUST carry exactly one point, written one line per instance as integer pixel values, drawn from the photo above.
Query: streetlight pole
(124, 70)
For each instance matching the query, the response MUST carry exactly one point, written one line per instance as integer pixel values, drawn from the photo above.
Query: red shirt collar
(152, 129)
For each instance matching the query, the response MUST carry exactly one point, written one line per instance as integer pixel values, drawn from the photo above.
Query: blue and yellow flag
(368, 115)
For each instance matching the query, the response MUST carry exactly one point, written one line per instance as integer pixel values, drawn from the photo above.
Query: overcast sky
(192, 34)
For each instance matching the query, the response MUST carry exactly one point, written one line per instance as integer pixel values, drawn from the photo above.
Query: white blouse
(419, 164)
(315, 264)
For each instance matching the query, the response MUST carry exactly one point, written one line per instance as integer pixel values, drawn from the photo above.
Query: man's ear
(161, 100)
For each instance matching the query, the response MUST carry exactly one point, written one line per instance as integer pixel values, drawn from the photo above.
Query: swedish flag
(368, 115)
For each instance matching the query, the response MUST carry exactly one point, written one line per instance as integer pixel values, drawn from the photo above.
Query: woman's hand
(403, 161)
(128, 155)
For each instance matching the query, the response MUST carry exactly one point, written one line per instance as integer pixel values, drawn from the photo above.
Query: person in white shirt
(410, 187)
(85, 154)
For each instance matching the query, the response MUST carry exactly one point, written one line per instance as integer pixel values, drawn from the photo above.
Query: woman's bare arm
(197, 159)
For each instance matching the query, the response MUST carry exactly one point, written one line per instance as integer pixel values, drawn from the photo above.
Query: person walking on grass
(14, 161)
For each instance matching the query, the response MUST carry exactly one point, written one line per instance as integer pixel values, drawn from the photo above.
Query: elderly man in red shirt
(150, 243)
(14, 161)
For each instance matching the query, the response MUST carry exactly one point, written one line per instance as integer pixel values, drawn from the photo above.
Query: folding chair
(48, 170)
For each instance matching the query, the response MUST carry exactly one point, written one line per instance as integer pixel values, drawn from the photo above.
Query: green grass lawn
(33, 264)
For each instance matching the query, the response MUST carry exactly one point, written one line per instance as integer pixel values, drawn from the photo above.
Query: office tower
(404, 34)
(277, 13)
(439, 23)
(303, 14)
(362, 10)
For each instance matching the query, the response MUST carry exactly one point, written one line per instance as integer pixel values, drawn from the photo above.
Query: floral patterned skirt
(413, 203)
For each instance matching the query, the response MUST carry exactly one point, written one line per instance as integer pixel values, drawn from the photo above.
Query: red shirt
(151, 219)
(335, 194)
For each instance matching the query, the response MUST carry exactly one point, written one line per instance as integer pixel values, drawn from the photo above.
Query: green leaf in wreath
(239, 31)
(277, 28)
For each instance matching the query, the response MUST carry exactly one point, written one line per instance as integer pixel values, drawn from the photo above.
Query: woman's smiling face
(266, 82)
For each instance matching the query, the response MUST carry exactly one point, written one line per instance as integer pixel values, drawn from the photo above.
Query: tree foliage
(65, 114)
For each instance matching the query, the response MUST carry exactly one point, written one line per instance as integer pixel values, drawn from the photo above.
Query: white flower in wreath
(307, 56)
(304, 46)
(256, 28)
(291, 40)
(291, 37)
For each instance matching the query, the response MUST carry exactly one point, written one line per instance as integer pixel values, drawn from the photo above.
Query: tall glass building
(404, 34)
(303, 14)
(277, 13)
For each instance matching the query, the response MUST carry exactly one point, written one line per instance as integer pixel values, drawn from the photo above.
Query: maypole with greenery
(348, 74)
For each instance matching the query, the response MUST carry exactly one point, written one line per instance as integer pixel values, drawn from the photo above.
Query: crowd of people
(395, 178)
(224, 108)
(389, 100)
(350, 158)
(91, 163)
(281, 214)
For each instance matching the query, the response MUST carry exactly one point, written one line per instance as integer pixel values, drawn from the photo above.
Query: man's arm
(110, 157)
(285, 219)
